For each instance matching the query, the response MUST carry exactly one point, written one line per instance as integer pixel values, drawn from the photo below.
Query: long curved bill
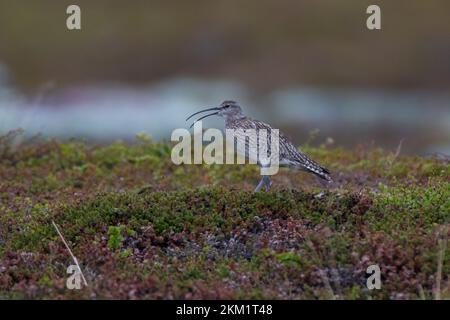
(203, 117)
(204, 110)
(208, 115)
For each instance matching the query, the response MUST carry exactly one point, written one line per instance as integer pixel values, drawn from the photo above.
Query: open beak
(211, 114)
(204, 110)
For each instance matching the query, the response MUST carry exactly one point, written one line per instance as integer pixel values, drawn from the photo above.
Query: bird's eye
(227, 106)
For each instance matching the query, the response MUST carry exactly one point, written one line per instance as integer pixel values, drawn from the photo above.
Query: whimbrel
(289, 156)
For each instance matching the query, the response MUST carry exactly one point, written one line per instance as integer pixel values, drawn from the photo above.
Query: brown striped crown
(230, 109)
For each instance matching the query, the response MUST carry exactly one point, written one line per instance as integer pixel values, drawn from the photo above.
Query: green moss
(200, 231)
(115, 237)
(288, 258)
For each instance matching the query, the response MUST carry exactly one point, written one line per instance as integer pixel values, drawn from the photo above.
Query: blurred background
(304, 66)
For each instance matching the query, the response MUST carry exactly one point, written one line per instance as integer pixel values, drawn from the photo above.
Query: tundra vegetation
(145, 228)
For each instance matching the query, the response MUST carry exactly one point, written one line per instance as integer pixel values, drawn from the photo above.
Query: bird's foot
(267, 182)
(264, 180)
(260, 184)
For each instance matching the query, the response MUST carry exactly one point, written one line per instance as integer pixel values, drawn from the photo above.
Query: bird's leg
(259, 184)
(266, 180)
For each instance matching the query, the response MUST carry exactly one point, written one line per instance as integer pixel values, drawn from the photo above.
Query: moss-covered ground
(143, 228)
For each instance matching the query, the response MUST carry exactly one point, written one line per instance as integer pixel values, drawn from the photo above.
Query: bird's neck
(232, 119)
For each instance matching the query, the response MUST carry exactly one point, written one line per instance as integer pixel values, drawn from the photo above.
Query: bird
(289, 155)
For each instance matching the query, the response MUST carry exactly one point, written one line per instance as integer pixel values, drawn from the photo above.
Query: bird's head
(230, 108)
(227, 109)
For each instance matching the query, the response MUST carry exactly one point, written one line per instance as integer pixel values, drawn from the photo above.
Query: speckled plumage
(289, 155)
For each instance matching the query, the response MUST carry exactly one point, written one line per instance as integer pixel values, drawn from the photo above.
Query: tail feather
(322, 173)
(303, 162)
(318, 170)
